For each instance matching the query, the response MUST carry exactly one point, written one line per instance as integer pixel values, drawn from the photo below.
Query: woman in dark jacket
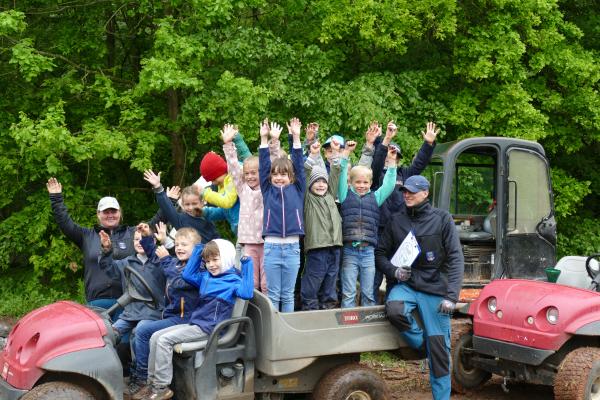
(101, 290)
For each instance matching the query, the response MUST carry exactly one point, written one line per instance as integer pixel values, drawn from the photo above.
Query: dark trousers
(321, 268)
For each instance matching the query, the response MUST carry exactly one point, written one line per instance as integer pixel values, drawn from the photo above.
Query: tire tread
(572, 378)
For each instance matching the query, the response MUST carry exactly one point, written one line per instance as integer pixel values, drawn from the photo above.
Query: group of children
(272, 203)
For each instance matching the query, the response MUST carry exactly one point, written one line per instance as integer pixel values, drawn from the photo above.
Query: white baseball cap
(108, 202)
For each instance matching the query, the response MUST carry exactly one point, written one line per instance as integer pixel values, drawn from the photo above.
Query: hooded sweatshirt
(217, 293)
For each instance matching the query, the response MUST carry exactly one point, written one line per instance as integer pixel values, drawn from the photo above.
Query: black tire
(351, 382)
(465, 378)
(58, 391)
(578, 376)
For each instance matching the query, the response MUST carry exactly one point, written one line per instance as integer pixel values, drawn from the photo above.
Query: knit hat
(316, 174)
(212, 166)
(226, 253)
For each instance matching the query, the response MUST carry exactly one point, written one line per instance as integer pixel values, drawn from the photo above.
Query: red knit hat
(212, 166)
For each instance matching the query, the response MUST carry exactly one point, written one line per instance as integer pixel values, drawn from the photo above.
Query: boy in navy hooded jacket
(212, 271)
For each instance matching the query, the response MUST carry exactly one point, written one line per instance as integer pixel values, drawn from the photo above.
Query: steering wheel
(591, 273)
(153, 301)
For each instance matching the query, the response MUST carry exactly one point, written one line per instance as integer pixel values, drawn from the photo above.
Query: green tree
(95, 92)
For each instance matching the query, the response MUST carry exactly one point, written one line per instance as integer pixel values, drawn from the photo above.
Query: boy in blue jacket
(181, 298)
(212, 271)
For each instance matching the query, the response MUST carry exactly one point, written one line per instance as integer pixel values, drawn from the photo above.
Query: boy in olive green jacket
(323, 233)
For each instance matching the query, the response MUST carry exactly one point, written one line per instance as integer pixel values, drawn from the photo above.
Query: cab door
(529, 243)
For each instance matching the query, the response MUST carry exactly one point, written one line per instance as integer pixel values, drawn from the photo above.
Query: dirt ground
(409, 380)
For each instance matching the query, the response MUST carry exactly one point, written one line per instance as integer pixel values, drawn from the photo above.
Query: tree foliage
(95, 92)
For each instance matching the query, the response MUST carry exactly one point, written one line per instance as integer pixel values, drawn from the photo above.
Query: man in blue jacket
(428, 278)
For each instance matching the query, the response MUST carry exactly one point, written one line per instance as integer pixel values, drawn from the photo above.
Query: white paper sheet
(407, 252)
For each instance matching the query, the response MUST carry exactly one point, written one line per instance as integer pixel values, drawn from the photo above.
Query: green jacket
(322, 220)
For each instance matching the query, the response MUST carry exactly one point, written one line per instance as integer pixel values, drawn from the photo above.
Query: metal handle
(515, 199)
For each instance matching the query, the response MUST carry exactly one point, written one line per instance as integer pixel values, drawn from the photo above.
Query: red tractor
(536, 332)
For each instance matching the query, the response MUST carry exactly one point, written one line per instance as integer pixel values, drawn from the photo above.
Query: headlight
(552, 315)
(492, 305)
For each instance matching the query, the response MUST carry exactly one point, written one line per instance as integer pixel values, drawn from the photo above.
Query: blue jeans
(358, 264)
(141, 344)
(435, 335)
(281, 264)
(321, 269)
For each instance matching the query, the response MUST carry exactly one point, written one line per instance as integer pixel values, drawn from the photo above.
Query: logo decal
(430, 256)
(122, 245)
(360, 317)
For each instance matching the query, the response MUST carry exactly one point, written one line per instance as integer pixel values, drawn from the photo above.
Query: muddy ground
(409, 380)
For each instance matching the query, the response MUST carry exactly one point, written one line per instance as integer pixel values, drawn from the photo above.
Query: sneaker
(143, 393)
(134, 386)
(160, 393)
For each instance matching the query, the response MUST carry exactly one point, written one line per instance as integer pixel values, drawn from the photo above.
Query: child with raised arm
(181, 299)
(219, 284)
(360, 219)
(395, 202)
(251, 201)
(191, 202)
(323, 239)
(282, 183)
(148, 269)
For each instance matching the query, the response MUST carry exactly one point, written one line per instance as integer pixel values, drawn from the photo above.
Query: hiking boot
(143, 393)
(160, 393)
(134, 386)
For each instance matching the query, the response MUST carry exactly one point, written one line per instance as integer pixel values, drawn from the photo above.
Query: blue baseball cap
(339, 138)
(416, 183)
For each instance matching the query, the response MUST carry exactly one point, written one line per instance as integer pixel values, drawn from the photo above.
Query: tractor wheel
(464, 377)
(578, 376)
(351, 382)
(58, 391)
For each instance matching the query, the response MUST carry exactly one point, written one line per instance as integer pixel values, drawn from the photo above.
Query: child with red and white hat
(222, 204)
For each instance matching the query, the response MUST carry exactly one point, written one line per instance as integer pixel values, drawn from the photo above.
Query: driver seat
(573, 272)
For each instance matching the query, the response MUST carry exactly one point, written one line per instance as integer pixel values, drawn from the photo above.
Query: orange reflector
(468, 295)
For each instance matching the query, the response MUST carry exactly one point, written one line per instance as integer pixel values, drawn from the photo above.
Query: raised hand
(312, 130)
(264, 129)
(53, 186)
(372, 133)
(349, 148)
(335, 145)
(390, 132)
(161, 232)
(144, 229)
(275, 130)
(228, 132)
(294, 128)
(162, 252)
(174, 192)
(392, 156)
(105, 241)
(315, 148)
(430, 133)
(152, 178)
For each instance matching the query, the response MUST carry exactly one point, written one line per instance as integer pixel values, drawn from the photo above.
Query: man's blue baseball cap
(415, 184)
(336, 137)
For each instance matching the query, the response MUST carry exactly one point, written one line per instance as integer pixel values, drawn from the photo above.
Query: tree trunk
(177, 147)
(110, 40)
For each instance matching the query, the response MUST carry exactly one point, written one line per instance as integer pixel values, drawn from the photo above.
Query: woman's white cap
(108, 202)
